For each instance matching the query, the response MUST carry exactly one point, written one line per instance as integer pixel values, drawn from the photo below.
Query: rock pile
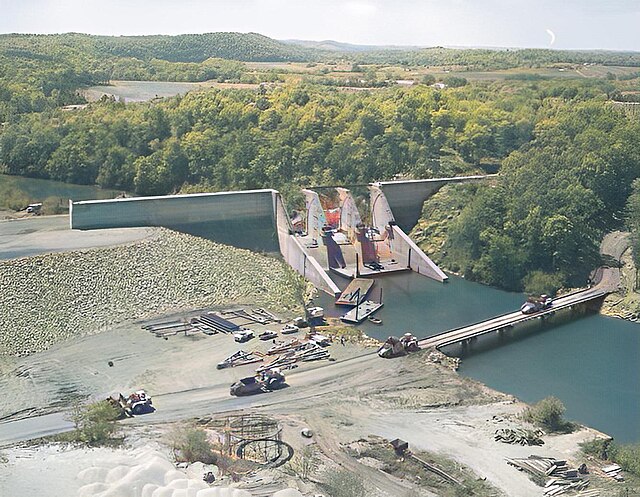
(50, 298)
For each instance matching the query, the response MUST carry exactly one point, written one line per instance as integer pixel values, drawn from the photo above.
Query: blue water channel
(588, 361)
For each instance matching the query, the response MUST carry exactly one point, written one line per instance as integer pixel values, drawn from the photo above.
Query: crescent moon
(552, 35)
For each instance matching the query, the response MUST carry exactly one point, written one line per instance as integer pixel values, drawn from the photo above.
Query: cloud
(364, 9)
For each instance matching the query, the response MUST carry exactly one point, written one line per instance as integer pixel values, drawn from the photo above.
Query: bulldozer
(268, 380)
(135, 404)
(396, 347)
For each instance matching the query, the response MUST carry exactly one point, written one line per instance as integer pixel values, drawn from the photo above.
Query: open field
(141, 91)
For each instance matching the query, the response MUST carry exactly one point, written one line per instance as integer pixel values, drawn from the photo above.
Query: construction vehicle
(135, 404)
(266, 381)
(396, 347)
(536, 304)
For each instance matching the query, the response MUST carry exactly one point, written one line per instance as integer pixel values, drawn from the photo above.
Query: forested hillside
(567, 158)
(486, 59)
(540, 226)
(295, 134)
(43, 72)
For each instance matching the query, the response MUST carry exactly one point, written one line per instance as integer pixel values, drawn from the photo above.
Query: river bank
(624, 304)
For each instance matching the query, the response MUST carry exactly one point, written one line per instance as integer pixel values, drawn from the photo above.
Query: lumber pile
(519, 436)
(240, 358)
(614, 471)
(304, 352)
(560, 479)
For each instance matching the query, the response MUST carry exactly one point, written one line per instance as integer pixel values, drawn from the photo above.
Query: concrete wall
(402, 247)
(296, 256)
(406, 198)
(414, 258)
(244, 219)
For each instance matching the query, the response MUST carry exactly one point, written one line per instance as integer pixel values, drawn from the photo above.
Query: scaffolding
(256, 438)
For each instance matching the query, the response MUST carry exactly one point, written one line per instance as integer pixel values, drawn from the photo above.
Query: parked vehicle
(289, 328)
(268, 335)
(243, 336)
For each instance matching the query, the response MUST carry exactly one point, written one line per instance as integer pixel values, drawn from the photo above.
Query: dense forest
(289, 135)
(567, 159)
(541, 224)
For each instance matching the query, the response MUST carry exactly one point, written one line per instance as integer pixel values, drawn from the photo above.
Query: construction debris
(560, 480)
(240, 358)
(519, 436)
(401, 449)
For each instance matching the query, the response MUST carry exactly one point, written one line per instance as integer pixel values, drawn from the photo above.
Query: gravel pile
(50, 298)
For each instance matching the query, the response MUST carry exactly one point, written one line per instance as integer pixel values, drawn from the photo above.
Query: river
(590, 362)
(37, 190)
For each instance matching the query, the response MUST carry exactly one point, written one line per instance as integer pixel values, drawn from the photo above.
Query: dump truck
(536, 304)
(396, 347)
(266, 381)
(133, 405)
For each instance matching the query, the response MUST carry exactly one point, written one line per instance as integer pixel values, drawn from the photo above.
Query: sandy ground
(142, 466)
(46, 234)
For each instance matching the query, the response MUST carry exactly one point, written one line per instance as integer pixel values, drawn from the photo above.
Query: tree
(191, 444)
(345, 484)
(94, 423)
(548, 413)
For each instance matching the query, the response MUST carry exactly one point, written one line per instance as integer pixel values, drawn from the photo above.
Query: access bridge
(609, 279)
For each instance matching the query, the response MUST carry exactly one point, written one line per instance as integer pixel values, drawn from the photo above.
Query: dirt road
(47, 234)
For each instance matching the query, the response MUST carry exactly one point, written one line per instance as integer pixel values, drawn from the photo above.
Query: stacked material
(614, 471)
(519, 436)
(50, 298)
(560, 480)
(240, 358)
(305, 352)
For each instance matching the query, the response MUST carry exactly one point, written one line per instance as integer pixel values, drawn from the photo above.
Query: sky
(562, 24)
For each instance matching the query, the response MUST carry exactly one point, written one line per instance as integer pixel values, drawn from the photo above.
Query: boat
(361, 312)
(374, 320)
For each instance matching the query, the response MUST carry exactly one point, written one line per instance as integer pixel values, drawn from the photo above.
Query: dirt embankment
(49, 298)
(625, 303)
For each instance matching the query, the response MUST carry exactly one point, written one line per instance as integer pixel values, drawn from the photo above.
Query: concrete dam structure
(406, 197)
(258, 220)
(243, 219)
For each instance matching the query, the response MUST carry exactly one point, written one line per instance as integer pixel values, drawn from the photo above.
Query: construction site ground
(355, 396)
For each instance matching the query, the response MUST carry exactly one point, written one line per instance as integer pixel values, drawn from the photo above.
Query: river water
(37, 190)
(590, 362)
